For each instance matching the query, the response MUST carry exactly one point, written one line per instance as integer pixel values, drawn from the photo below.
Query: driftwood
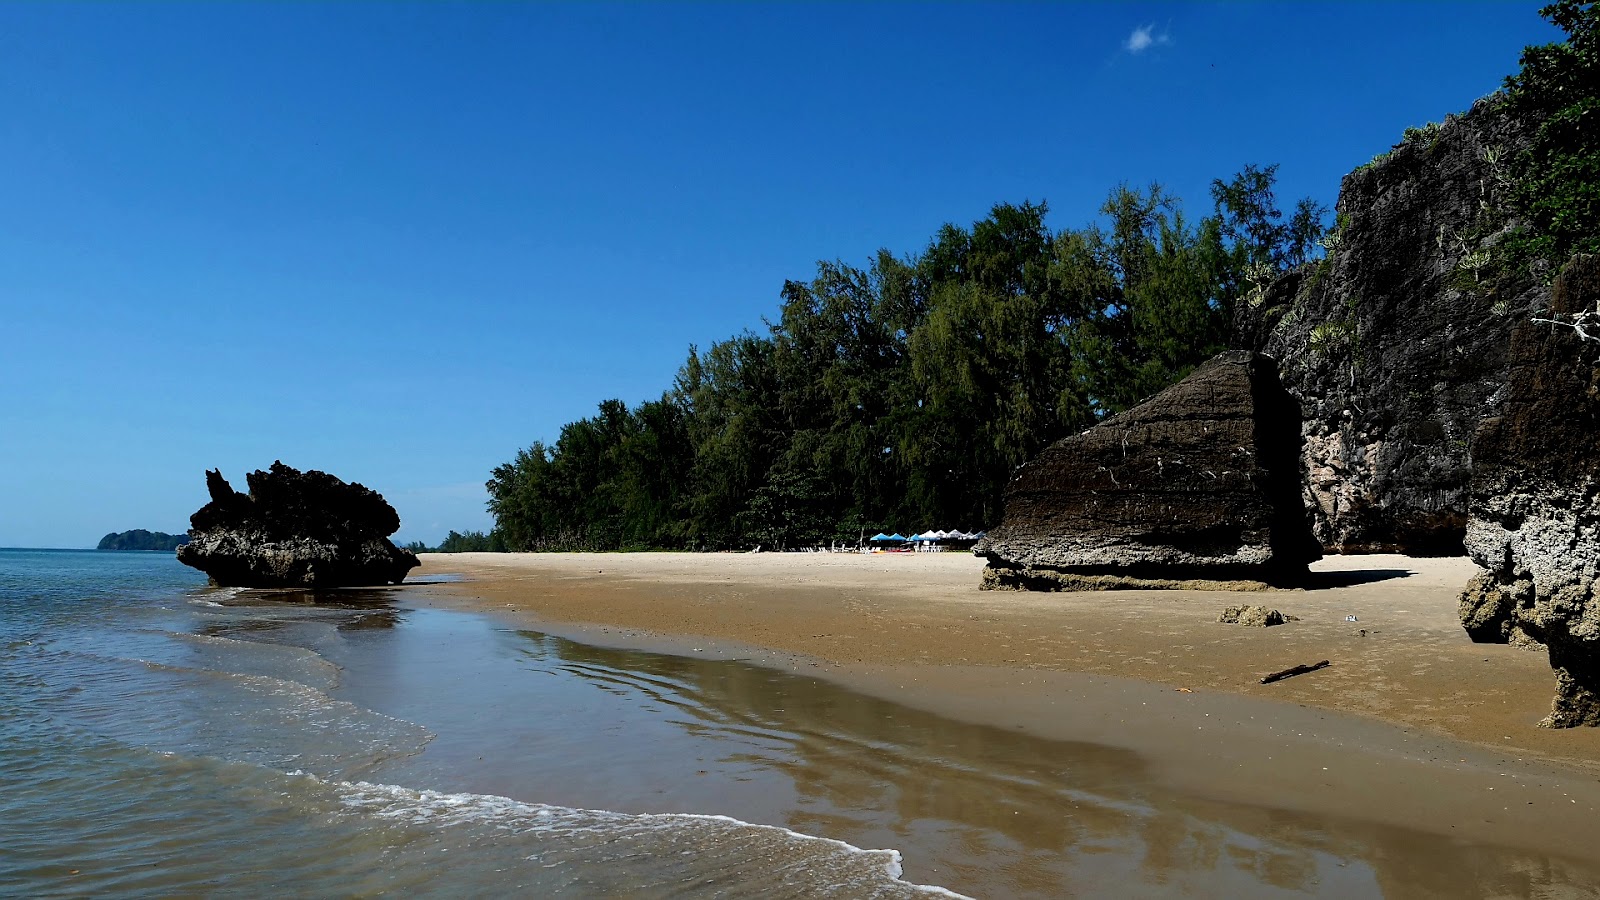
(1290, 673)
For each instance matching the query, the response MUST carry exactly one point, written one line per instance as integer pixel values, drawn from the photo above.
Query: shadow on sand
(1319, 581)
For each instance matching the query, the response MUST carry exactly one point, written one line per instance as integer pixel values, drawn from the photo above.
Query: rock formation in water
(1200, 482)
(1535, 499)
(295, 529)
(1396, 343)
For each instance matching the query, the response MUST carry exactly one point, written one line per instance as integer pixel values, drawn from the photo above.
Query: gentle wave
(171, 707)
(765, 859)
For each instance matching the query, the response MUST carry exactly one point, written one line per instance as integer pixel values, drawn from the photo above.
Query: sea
(163, 738)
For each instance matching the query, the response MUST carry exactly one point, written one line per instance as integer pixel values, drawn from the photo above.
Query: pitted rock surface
(1202, 481)
(1394, 346)
(295, 529)
(1253, 616)
(1535, 502)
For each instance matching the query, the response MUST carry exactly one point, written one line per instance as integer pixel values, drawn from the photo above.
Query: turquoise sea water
(163, 738)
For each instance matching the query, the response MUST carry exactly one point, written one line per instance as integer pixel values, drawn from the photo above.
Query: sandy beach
(1412, 725)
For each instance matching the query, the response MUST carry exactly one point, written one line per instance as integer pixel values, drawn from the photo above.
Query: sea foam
(710, 851)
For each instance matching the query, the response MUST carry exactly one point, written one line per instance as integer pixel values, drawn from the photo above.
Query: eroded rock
(1534, 521)
(1397, 343)
(295, 529)
(1200, 482)
(1254, 616)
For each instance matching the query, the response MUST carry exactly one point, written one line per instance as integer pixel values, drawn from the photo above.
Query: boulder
(1199, 483)
(1396, 344)
(1254, 616)
(295, 529)
(1534, 511)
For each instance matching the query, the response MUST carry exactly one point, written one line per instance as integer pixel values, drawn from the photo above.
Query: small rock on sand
(1259, 616)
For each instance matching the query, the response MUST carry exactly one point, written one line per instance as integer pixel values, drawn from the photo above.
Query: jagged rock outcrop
(1396, 343)
(1200, 482)
(295, 529)
(1535, 500)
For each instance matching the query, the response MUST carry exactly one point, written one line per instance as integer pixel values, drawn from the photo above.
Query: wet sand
(1411, 727)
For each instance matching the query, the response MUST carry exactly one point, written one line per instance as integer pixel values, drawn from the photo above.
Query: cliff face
(1535, 499)
(1396, 345)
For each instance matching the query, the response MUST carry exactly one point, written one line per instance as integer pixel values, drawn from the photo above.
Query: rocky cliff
(1396, 343)
(1535, 499)
(295, 529)
(1200, 482)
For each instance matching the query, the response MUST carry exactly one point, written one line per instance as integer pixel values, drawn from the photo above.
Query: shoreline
(1412, 725)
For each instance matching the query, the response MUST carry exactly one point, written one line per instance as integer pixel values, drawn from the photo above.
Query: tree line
(902, 393)
(464, 542)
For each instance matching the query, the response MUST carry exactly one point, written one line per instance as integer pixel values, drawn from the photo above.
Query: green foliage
(1326, 337)
(140, 539)
(469, 542)
(906, 392)
(1427, 135)
(1556, 181)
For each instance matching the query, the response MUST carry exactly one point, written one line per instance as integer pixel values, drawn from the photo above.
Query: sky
(400, 241)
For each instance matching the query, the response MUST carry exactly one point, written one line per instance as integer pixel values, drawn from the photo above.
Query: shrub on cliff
(1557, 180)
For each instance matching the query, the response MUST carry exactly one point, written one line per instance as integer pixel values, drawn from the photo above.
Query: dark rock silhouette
(1535, 499)
(1200, 483)
(295, 529)
(1394, 345)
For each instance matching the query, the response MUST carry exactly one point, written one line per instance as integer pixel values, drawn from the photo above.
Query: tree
(1556, 181)
(906, 392)
(1151, 288)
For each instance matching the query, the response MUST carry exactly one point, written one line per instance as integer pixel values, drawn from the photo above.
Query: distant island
(139, 539)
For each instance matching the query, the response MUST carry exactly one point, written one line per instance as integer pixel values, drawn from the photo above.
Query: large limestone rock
(295, 529)
(1535, 501)
(1201, 482)
(1396, 344)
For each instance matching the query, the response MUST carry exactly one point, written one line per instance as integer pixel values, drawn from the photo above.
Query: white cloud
(1145, 37)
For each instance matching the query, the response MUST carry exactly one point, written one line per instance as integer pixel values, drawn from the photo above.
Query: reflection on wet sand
(346, 609)
(995, 812)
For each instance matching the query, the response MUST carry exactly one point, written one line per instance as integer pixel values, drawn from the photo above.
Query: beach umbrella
(880, 536)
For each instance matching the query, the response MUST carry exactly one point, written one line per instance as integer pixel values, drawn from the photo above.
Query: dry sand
(1412, 725)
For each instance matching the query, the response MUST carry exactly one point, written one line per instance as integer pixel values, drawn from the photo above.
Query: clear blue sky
(400, 241)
